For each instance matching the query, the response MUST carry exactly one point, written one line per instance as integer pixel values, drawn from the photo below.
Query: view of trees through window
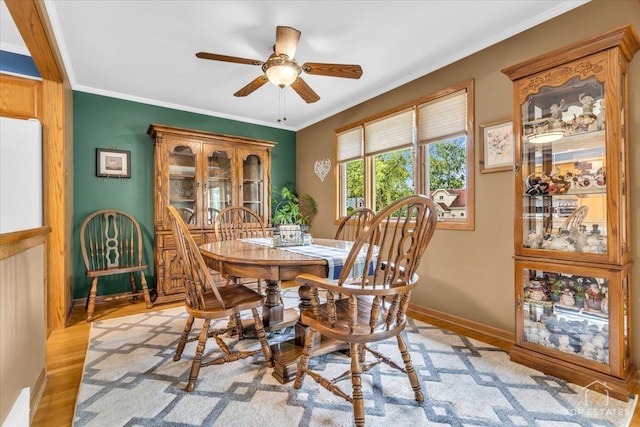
(447, 164)
(447, 177)
(394, 173)
(423, 149)
(355, 185)
(393, 176)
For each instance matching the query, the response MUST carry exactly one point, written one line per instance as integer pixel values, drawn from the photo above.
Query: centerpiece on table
(292, 216)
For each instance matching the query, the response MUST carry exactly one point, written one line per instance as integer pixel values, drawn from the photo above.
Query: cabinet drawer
(166, 241)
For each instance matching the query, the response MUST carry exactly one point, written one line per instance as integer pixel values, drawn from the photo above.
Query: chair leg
(183, 338)
(303, 363)
(356, 380)
(362, 353)
(234, 326)
(197, 360)
(237, 320)
(411, 373)
(262, 337)
(92, 299)
(132, 281)
(145, 290)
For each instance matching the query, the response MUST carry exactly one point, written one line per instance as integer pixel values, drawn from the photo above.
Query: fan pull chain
(282, 107)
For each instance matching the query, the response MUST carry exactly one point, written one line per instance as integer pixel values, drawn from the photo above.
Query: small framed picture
(113, 163)
(497, 147)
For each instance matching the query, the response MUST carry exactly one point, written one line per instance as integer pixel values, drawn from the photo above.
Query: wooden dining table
(239, 258)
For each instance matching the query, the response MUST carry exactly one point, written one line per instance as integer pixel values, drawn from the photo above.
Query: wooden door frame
(56, 115)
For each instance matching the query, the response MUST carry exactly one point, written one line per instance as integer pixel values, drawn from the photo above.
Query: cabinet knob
(516, 167)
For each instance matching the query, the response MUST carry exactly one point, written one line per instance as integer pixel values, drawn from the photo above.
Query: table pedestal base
(273, 311)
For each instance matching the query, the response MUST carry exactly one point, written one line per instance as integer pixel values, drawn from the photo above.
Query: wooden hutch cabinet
(201, 173)
(572, 212)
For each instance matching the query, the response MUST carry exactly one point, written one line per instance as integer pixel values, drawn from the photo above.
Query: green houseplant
(293, 209)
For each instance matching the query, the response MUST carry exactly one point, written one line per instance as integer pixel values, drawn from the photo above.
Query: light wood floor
(66, 351)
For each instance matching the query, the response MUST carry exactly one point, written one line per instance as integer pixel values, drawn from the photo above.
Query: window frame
(421, 156)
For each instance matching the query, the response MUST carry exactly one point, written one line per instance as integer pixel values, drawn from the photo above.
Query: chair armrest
(348, 288)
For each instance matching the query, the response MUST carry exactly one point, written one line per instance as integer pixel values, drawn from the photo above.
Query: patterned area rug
(130, 379)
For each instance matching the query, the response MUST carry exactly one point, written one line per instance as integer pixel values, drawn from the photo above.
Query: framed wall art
(497, 147)
(112, 163)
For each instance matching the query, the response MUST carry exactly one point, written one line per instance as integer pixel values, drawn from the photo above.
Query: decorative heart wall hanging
(322, 168)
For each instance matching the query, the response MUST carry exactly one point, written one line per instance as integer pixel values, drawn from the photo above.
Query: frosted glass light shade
(545, 137)
(282, 75)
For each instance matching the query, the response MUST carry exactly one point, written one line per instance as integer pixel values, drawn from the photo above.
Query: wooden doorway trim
(56, 116)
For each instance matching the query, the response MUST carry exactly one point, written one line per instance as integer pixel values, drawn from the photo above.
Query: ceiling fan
(282, 69)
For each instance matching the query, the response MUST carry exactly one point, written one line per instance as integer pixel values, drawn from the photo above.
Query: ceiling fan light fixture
(281, 70)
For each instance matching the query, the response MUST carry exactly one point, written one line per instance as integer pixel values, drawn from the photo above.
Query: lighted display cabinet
(572, 212)
(201, 173)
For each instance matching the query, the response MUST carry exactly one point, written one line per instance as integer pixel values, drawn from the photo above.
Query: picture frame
(497, 146)
(111, 163)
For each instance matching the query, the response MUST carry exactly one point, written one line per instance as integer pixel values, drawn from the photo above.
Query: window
(393, 172)
(424, 147)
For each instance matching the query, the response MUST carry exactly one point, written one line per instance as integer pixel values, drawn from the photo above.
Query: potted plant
(293, 209)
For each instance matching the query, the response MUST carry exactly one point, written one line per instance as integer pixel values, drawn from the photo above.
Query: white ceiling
(144, 50)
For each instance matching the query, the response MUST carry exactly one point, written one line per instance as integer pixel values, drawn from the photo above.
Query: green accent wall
(105, 122)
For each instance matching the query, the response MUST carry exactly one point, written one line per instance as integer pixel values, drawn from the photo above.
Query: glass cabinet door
(253, 184)
(566, 312)
(575, 313)
(564, 168)
(218, 185)
(182, 182)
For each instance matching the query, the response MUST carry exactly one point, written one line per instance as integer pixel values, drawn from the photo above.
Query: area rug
(130, 379)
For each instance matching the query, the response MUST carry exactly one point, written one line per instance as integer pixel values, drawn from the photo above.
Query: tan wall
(470, 273)
(22, 325)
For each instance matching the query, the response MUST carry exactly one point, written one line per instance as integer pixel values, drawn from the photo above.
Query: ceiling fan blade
(255, 84)
(287, 39)
(302, 88)
(347, 71)
(225, 58)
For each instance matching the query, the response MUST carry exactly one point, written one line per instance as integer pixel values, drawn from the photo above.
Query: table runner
(335, 257)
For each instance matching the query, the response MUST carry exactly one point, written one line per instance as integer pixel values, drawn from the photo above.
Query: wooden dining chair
(111, 244)
(238, 222)
(377, 279)
(352, 225)
(187, 215)
(206, 301)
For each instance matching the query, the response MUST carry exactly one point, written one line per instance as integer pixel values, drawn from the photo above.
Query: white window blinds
(443, 118)
(389, 133)
(349, 145)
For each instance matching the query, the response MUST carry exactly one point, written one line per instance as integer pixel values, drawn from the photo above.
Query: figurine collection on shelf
(582, 181)
(568, 313)
(576, 239)
(583, 113)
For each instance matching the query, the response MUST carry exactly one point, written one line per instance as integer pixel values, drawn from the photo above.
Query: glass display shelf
(564, 193)
(219, 172)
(567, 313)
(216, 180)
(181, 172)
